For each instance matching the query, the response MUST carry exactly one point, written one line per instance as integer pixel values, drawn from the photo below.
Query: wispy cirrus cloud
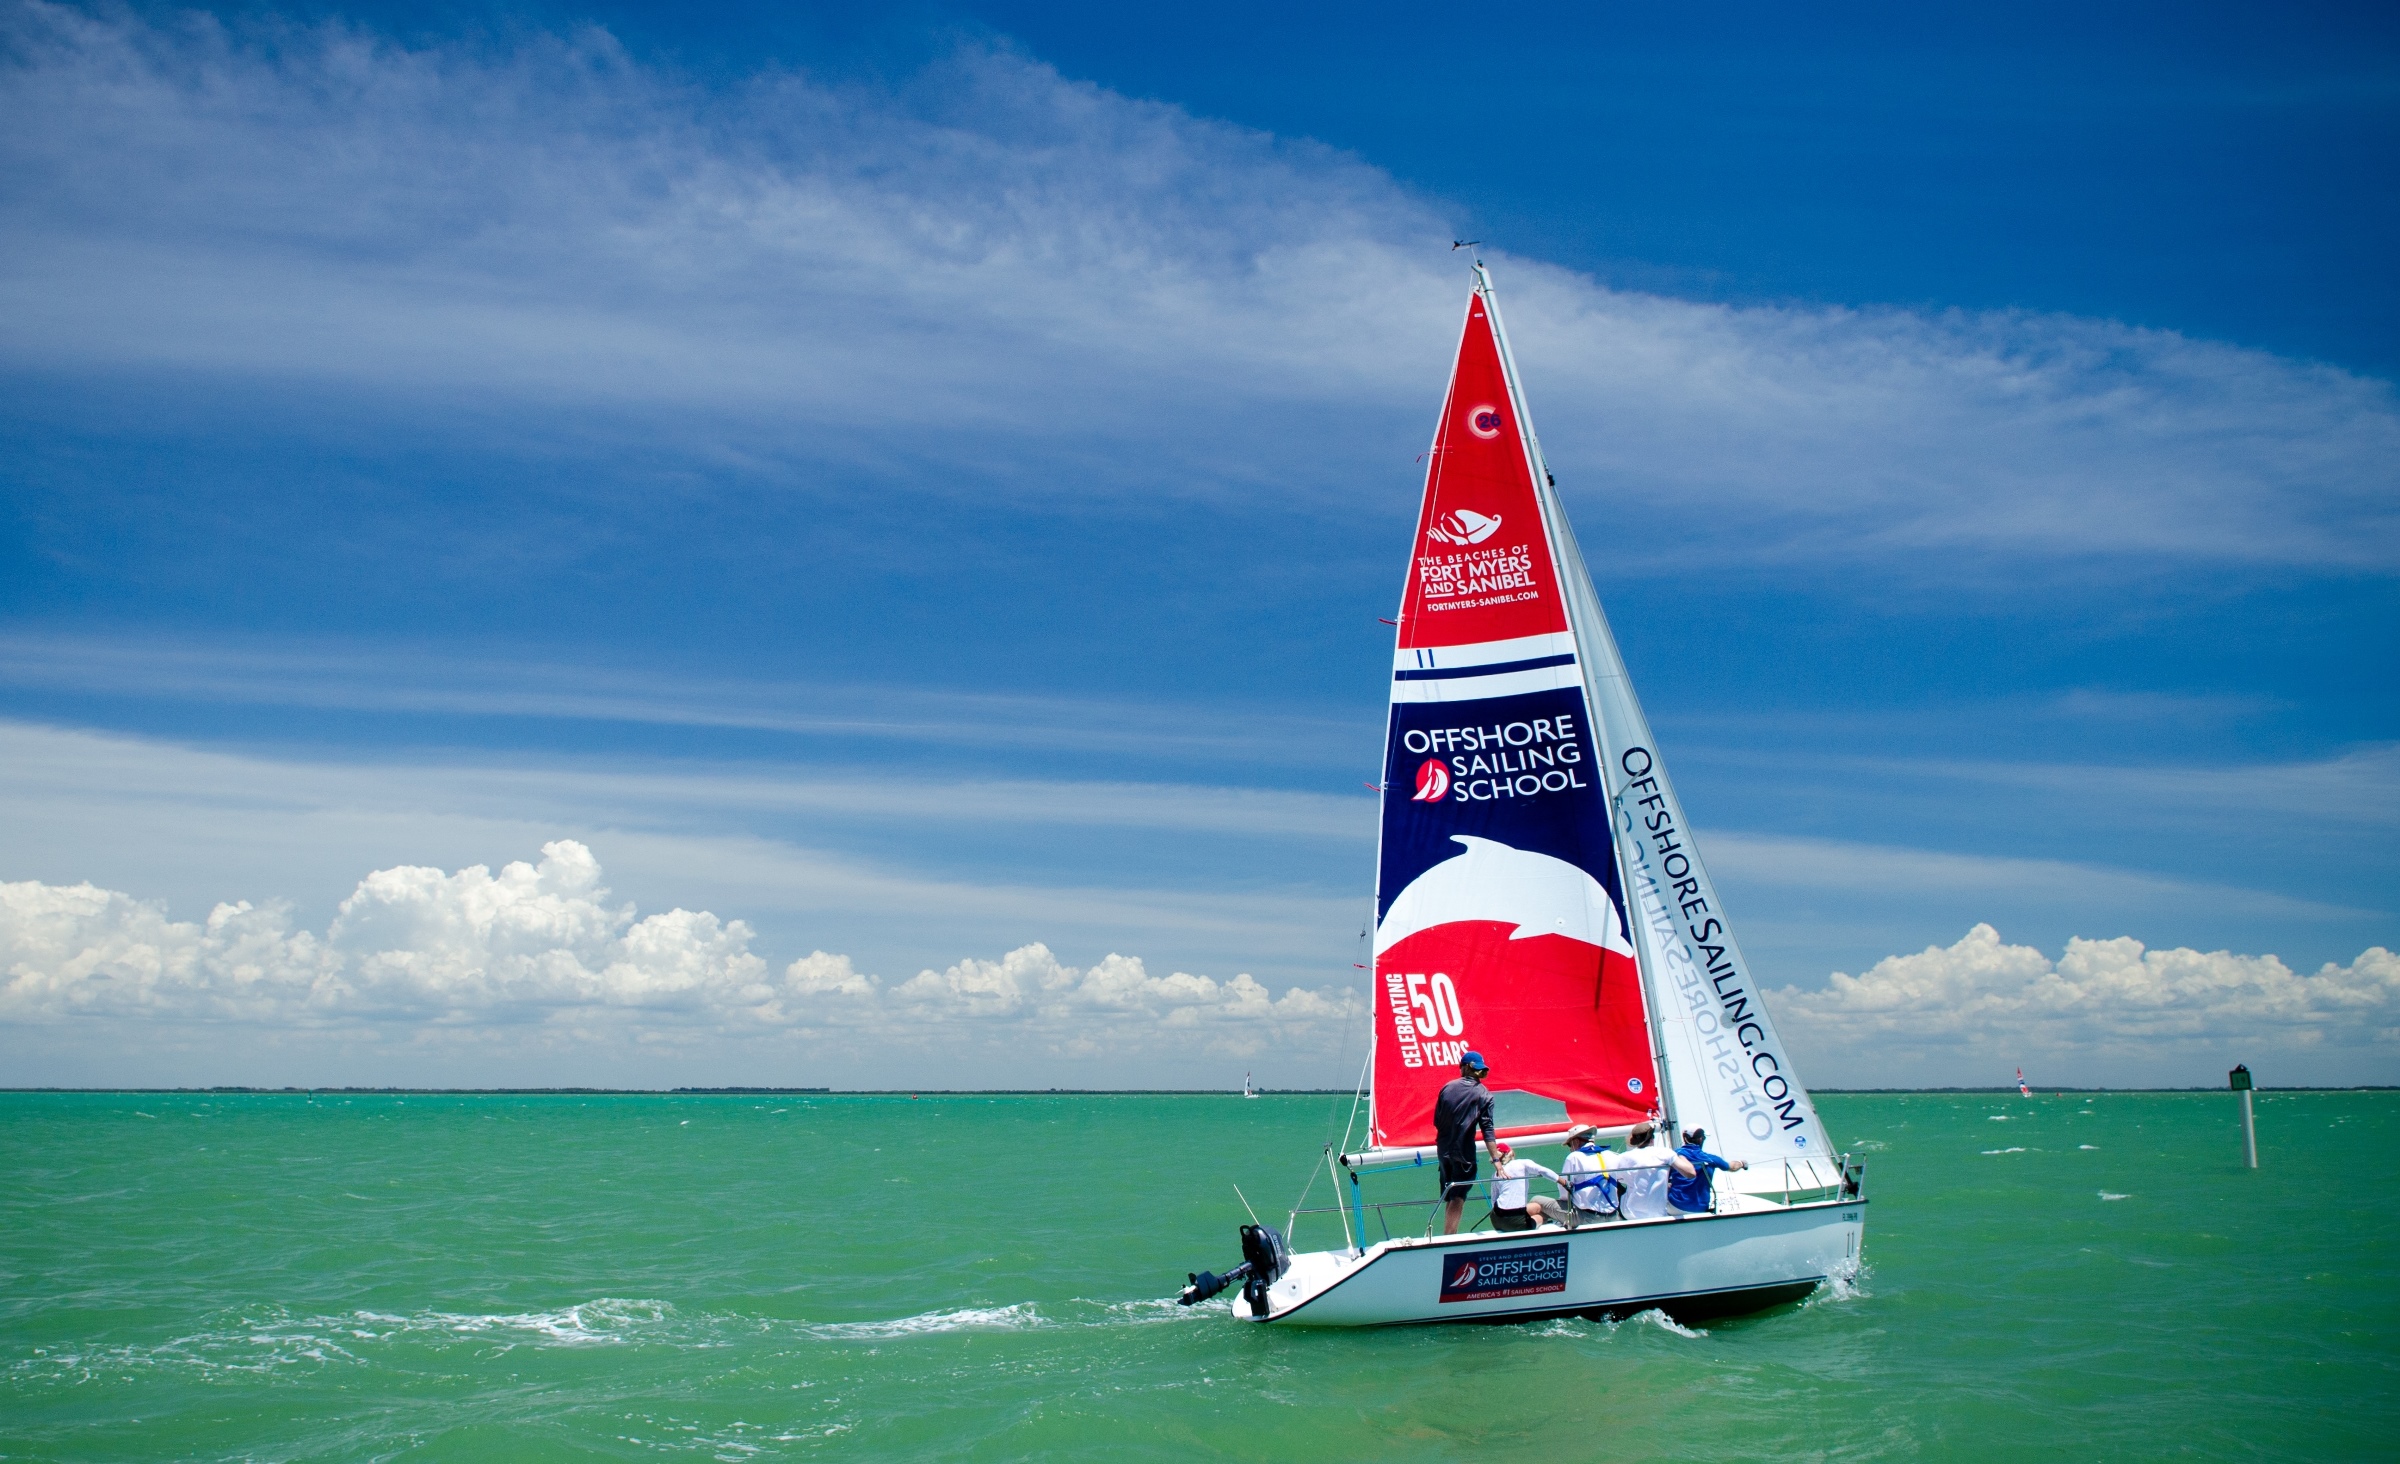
(364, 677)
(1831, 864)
(936, 269)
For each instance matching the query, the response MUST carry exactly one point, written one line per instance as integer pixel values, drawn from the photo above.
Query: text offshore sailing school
(1506, 760)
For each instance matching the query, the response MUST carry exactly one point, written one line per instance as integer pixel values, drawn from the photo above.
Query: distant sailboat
(2028, 1092)
(1247, 1090)
(1523, 797)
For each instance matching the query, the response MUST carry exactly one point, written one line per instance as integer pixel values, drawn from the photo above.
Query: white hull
(1707, 1265)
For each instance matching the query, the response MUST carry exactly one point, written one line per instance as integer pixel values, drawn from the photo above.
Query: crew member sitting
(1584, 1176)
(1688, 1191)
(1512, 1208)
(1643, 1169)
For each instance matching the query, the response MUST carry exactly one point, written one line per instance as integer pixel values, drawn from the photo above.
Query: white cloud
(416, 950)
(409, 944)
(998, 267)
(79, 950)
(1968, 1012)
(537, 957)
(805, 853)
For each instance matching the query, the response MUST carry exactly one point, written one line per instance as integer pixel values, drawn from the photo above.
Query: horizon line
(738, 1092)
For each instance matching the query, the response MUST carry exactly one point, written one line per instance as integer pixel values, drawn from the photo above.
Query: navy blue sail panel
(1455, 673)
(1518, 770)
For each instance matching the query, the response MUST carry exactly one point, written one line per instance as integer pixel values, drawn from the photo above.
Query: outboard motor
(1265, 1258)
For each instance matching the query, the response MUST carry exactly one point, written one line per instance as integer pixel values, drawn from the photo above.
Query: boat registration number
(1489, 1275)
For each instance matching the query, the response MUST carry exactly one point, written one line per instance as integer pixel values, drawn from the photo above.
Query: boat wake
(964, 1319)
(270, 1339)
(606, 1321)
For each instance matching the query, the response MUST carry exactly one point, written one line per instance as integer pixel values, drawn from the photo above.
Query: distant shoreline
(2003, 1088)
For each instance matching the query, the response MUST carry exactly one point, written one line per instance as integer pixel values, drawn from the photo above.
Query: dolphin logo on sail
(1536, 893)
(1464, 526)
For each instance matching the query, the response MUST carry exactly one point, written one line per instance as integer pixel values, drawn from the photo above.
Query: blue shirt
(1690, 1192)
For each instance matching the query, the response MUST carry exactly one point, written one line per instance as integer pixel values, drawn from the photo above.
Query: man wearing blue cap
(1463, 1109)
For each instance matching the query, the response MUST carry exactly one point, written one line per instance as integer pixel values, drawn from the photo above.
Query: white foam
(2018, 1150)
(603, 1321)
(2087, 1146)
(1665, 1323)
(965, 1319)
(1840, 1287)
(1149, 1309)
(2104, 1194)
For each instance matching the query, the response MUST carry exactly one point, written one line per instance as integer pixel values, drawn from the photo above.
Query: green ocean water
(477, 1277)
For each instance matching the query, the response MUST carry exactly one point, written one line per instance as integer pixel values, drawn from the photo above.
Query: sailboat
(1540, 900)
(1247, 1090)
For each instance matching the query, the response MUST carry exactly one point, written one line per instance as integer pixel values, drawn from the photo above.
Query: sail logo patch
(1433, 781)
(1484, 422)
(1464, 526)
(1491, 1275)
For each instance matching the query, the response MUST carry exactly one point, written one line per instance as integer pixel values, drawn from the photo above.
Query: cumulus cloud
(936, 267)
(409, 943)
(415, 948)
(1971, 1009)
(540, 949)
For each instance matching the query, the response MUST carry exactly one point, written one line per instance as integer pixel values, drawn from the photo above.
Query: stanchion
(2239, 1081)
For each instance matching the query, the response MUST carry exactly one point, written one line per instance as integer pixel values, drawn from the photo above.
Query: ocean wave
(2019, 1150)
(965, 1319)
(2104, 1194)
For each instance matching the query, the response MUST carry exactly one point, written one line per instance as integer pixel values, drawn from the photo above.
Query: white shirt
(1644, 1173)
(1580, 1165)
(1509, 1192)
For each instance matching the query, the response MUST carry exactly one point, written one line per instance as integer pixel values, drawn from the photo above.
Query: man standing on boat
(1463, 1109)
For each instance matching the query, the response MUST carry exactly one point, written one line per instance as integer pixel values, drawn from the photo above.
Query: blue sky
(924, 487)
